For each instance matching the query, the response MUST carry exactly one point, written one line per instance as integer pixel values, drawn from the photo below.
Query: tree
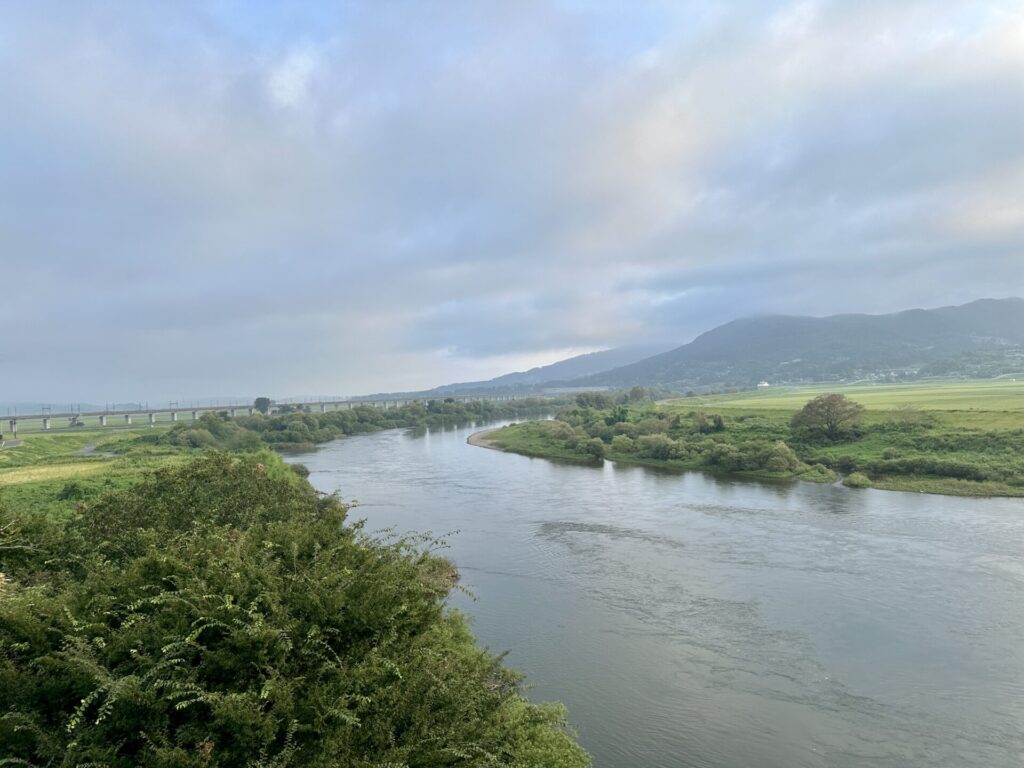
(623, 444)
(636, 395)
(594, 448)
(262, 404)
(828, 416)
(619, 413)
(596, 400)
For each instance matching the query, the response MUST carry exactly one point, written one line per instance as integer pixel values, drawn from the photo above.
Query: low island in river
(954, 437)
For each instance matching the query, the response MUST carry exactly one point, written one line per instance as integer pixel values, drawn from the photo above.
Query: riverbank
(481, 439)
(915, 446)
(785, 619)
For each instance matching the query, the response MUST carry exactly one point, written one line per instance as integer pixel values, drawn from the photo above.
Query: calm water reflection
(687, 620)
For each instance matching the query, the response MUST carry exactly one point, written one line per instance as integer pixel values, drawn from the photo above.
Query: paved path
(10, 443)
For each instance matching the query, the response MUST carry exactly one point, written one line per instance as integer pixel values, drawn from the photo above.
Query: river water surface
(688, 620)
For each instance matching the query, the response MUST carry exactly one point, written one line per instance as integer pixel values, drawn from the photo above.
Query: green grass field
(1003, 396)
(52, 471)
(53, 448)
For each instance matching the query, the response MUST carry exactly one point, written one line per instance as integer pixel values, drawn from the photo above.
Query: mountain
(983, 338)
(535, 379)
(563, 370)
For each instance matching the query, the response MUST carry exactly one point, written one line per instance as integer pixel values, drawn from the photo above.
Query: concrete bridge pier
(174, 415)
(103, 421)
(252, 411)
(231, 412)
(14, 426)
(195, 415)
(127, 418)
(46, 422)
(152, 418)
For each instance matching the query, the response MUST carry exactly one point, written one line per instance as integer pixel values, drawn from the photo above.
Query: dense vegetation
(978, 453)
(647, 435)
(221, 613)
(299, 430)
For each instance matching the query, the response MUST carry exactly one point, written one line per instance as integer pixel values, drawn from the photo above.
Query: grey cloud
(344, 198)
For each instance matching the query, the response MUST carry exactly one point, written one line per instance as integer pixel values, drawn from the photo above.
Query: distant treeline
(297, 429)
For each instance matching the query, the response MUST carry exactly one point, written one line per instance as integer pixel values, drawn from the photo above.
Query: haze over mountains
(983, 338)
(565, 370)
(542, 376)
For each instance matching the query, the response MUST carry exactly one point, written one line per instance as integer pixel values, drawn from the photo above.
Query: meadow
(52, 472)
(1005, 397)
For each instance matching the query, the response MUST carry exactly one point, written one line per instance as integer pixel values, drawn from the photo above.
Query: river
(689, 620)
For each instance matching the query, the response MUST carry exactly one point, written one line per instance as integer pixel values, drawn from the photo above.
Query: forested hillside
(980, 339)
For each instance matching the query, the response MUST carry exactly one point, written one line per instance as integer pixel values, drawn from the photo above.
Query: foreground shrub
(222, 614)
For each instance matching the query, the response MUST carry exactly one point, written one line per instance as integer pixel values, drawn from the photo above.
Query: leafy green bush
(220, 613)
(623, 444)
(753, 456)
(657, 446)
(818, 473)
(857, 480)
(625, 428)
(595, 448)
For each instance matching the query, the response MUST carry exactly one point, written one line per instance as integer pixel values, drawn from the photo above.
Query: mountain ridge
(536, 378)
(978, 338)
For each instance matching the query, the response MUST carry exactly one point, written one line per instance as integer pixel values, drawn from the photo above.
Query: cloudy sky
(215, 198)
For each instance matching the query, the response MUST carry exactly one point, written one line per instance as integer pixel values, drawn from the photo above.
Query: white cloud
(288, 82)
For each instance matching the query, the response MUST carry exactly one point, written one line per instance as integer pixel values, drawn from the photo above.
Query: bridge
(173, 413)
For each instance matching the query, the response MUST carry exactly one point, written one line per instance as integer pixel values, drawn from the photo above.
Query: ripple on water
(695, 621)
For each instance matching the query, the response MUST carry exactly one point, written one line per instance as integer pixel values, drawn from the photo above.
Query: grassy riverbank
(53, 472)
(958, 438)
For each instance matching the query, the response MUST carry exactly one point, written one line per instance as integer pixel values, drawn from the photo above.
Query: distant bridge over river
(173, 413)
